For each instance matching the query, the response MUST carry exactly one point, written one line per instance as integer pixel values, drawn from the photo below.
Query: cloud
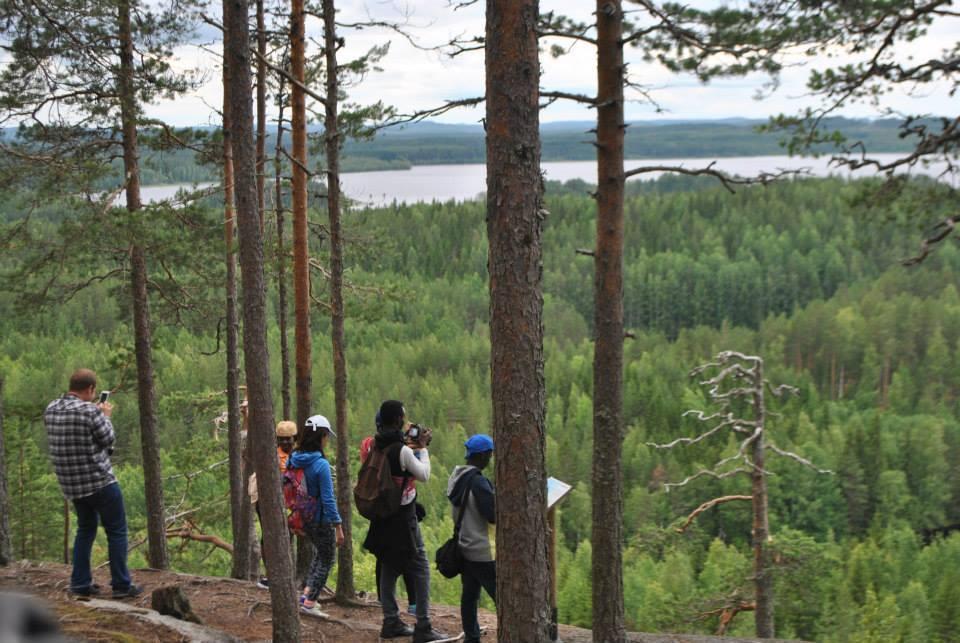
(413, 79)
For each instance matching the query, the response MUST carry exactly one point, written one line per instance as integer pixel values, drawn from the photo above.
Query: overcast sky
(413, 80)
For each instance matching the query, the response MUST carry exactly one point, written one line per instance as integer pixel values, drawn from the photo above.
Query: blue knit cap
(479, 443)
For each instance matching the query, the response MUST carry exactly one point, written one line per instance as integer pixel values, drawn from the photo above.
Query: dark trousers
(407, 583)
(105, 507)
(474, 577)
(419, 569)
(325, 547)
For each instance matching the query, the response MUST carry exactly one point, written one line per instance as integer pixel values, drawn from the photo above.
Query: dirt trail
(231, 610)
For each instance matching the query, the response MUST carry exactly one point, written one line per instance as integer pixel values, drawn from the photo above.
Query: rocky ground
(230, 610)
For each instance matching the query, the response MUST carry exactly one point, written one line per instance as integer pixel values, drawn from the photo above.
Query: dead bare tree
(739, 384)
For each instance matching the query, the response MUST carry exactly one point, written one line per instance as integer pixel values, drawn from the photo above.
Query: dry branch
(708, 505)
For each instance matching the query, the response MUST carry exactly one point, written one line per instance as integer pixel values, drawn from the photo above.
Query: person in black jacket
(396, 540)
(472, 493)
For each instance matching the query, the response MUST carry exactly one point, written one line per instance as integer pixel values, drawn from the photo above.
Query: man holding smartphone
(81, 437)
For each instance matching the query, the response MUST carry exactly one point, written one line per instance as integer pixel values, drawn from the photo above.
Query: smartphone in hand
(104, 396)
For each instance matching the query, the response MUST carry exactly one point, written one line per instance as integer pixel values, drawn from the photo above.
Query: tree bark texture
(149, 439)
(6, 542)
(238, 495)
(514, 228)
(332, 141)
(607, 531)
(762, 564)
(301, 256)
(283, 597)
(261, 113)
(282, 308)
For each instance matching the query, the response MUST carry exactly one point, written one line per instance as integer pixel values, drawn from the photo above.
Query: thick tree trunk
(301, 257)
(282, 308)
(762, 565)
(345, 588)
(514, 228)
(149, 440)
(238, 495)
(607, 532)
(283, 597)
(6, 547)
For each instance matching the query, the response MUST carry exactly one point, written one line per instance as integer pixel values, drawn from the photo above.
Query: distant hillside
(434, 143)
(430, 143)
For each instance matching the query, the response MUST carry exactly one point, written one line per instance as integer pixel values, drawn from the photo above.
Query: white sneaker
(313, 610)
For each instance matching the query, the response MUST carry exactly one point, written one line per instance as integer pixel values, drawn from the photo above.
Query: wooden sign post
(556, 491)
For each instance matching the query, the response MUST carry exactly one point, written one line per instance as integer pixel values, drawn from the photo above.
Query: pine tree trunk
(607, 531)
(282, 308)
(283, 597)
(301, 246)
(332, 140)
(6, 546)
(762, 564)
(149, 439)
(514, 228)
(261, 113)
(238, 495)
(301, 256)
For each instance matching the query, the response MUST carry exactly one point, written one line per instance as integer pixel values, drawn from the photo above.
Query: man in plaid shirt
(80, 436)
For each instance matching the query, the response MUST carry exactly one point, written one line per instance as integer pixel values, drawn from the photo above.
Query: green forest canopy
(795, 272)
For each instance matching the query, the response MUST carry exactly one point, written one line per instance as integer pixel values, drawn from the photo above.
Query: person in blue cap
(471, 492)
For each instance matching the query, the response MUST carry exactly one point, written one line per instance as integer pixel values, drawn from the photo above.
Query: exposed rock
(171, 601)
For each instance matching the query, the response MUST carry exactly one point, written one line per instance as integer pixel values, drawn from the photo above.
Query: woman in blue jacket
(325, 531)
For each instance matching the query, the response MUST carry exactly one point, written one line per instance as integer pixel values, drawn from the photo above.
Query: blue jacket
(319, 483)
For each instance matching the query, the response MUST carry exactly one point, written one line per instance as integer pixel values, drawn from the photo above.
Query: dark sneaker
(394, 629)
(128, 592)
(263, 583)
(427, 634)
(88, 591)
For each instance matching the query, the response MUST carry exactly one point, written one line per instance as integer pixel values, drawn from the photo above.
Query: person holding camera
(80, 436)
(396, 540)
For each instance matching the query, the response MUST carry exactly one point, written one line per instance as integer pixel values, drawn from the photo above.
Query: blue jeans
(105, 506)
(475, 575)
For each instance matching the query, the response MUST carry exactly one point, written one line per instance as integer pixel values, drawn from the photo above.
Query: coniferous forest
(804, 273)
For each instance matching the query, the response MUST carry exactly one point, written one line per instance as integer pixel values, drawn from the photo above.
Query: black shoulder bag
(449, 558)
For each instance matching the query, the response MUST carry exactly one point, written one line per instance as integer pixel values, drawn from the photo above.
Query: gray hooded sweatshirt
(480, 511)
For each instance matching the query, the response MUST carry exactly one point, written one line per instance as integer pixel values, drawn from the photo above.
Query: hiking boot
(395, 628)
(412, 609)
(263, 583)
(88, 591)
(128, 592)
(427, 634)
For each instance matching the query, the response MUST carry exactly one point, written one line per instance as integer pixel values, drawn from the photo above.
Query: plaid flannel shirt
(80, 438)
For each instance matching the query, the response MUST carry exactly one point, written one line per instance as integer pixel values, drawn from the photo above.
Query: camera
(412, 434)
(104, 396)
(417, 435)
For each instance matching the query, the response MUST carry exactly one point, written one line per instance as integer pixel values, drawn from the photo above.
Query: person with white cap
(325, 530)
(471, 494)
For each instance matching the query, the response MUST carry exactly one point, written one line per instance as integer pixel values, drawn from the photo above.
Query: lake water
(464, 182)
